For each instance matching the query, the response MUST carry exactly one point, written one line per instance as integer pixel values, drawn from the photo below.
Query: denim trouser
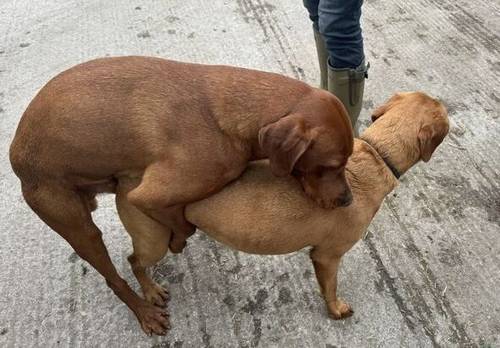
(338, 23)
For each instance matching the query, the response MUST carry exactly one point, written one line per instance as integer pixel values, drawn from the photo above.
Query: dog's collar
(389, 165)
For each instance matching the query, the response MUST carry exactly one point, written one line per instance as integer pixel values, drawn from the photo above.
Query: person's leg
(312, 8)
(339, 24)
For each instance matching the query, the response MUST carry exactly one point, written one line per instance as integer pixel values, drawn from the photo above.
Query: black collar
(393, 169)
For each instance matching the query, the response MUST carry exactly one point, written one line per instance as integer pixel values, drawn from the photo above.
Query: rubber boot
(348, 85)
(322, 59)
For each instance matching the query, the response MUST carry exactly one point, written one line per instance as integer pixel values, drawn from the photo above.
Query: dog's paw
(339, 309)
(156, 294)
(153, 319)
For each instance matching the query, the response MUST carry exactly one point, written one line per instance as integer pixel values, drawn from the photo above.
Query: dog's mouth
(327, 204)
(344, 200)
(323, 203)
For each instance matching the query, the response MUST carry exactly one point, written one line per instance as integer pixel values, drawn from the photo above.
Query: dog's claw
(339, 310)
(153, 319)
(156, 294)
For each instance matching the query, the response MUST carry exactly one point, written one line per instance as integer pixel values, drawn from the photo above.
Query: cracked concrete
(428, 272)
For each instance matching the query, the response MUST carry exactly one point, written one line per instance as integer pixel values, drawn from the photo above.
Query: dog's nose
(345, 199)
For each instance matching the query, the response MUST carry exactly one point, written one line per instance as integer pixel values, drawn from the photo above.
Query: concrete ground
(428, 274)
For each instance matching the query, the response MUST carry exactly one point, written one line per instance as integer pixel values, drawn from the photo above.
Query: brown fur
(262, 214)
(178, 132)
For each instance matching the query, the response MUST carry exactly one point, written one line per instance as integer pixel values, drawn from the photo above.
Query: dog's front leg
(174, 223)
(166, 187)
(326, 267)
(150, 240)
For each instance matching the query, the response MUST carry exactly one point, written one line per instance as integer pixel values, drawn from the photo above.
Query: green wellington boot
(348, 85)
(322, 59)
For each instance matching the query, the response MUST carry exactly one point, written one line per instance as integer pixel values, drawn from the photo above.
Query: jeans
(338, 23)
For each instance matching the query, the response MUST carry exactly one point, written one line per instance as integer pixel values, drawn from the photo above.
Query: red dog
(182, 131)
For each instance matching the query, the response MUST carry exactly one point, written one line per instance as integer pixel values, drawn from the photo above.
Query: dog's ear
(284, 141)
(429, 138)
(379, 112)
(382, 109)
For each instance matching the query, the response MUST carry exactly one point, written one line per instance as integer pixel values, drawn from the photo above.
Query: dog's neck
(369, 177)
(398, 153)
(387, 161)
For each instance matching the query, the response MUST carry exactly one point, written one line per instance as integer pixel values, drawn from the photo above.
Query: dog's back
(93, 109)
(257, 213)
(262, 214)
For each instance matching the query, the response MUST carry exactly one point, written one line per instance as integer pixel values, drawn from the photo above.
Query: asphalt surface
(428, 273)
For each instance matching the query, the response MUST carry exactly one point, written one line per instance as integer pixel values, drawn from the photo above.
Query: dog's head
(313, 143)
(413, 120)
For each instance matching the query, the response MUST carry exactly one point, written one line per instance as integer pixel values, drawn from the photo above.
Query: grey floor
(428, 273)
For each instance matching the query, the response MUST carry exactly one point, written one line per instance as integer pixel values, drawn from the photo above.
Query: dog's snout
(345, 199)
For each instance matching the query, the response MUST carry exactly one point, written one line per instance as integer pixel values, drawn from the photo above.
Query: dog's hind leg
(150, 241)
(67, 212)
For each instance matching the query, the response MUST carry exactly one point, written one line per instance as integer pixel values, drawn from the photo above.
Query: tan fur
(262, 214)
(168, 133)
